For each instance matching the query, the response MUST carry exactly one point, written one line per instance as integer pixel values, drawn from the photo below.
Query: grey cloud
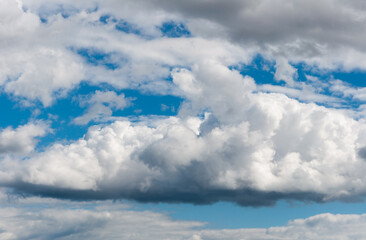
(189, 191)
(362, 152)
(276, 21)
(309, 31)
(329, 34)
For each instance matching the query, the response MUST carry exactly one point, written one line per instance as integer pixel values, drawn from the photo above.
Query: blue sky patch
(96, 57)
(174, 30)
(127, 27)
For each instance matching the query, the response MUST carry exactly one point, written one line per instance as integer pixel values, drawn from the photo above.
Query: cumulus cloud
(41, 62)
(23, 139)
(32, 65)
(252, 148)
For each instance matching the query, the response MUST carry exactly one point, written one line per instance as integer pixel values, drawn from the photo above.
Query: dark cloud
(183, 194)
(362, 153)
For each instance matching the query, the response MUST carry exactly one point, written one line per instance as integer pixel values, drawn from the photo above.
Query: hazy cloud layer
(43, 219)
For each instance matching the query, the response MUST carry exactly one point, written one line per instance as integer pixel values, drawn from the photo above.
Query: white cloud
(101, 106)
(323, 226)
(250, 141)
(303, 92)
(40, 62)
(36, 218)
(79, 223)
(346, 90)
(23, 139)
(250, 146)
(285, 72)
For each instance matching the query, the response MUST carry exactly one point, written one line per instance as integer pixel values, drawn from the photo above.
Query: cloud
(323, 226)
(312, 31)
(285, 72)
(105, 221)
(47, 56)
(304, 92)
(40, 62)
(346, 90)
(252, 148)
(101, 106)
(23, 139)
(35, 218)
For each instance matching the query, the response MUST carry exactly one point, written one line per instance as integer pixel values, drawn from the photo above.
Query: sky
(182, 120)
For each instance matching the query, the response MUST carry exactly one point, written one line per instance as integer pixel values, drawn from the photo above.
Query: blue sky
(174, 120)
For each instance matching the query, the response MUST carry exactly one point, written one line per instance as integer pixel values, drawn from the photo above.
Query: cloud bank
(251, 148)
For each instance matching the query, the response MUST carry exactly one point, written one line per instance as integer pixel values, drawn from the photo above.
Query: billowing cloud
(252, 148)
(232, 140)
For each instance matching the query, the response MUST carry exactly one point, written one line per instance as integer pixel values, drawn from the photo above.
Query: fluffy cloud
(32, 66)
(23, 139)
(232, 140)
(252, 148)
(41, 62)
